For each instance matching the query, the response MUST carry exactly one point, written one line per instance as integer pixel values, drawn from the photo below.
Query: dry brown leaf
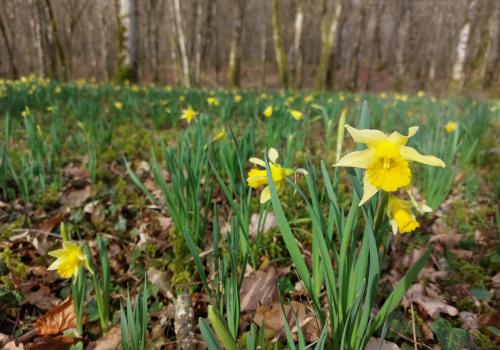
(450, 239)
(58, 319)
(269, 223)
(76, 196)
(96, 212)
(162, 281)
(495, 283)
(431, 306)
(374, 344)
(470, 320)
(52, 343)
(271, 317)
(259, 288)
(12, 346)
(110, 341)
(36, 294)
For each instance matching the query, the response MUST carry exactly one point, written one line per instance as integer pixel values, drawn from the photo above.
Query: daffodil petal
(412, 154)
(358, 159)
(368, 191)
(265, 195)
(394, 227)
(399, 139)
(369, 137)
(257, 161)
(273, 155)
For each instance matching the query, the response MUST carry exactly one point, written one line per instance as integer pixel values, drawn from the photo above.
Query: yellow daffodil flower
(189, 114)
(26, 112)
(421, 93)
(309, 99)
(268, 112)
(219, 136)
(386, 160)
(237, 98)
(258, 177)
(297, 115)
(213, 101)
(57, 90)
(401, 216)
(182, 98)
(69, 260)
(118, 105)
(450, 126)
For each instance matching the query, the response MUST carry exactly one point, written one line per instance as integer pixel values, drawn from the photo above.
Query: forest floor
(117, 164)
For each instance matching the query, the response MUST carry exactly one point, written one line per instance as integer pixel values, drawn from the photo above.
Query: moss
(467, 304)
(181, 266)
(50, 199)
(13, 265)
(483, 342)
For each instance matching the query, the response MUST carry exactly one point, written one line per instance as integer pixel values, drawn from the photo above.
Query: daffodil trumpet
(258, 177)
(386, 160)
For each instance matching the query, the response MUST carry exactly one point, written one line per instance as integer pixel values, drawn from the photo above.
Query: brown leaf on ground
(96, 212)
(12, 346)
(259, 288)
(52, 343)
(36, 294)
(50, 223)
(271, 317)
(374, 344)
(431, 306)
(462, 254)
(269, 223)
(162, 281)
(58, 319)
(450, 239)
(470, 320)
(495, 284)
(110, 341)
(76, 196)
(488, 320)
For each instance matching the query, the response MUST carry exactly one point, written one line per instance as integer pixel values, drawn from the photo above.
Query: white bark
(37, 36)
(181, 38)
(129, 13)
(297, 43)
(462, 47)
(198, 41)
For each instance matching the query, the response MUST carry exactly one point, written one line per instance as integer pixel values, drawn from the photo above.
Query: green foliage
(449, 337)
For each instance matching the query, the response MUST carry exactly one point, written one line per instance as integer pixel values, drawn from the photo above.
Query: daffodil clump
(258, 177)
(386, 161)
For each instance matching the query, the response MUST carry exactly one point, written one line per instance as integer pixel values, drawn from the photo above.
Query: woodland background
(315, 44)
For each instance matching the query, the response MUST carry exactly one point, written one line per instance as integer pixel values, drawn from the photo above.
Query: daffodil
(219, 136)
(118, 105)
(450, 126)
(213, 101)
(258, 177)
(268, 112)
(189, 114)
(309, 99)
(69, 260)
(237, 98)
(401, 216)
(386, 160)
(297, 115)
(420, 93)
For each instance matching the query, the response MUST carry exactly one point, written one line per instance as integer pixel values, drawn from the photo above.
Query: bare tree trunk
(8, 47)
(279, 46)
(491, 64)
(173, 44)
(434, 43)
(181, 39)
(376, 48)
(297, 45)
(457, 74)
(328, 34)
(263, 49)
(353, 80)
(403, 25)
(198, 41)
(235, 50)
(57, 41)
(129, 20)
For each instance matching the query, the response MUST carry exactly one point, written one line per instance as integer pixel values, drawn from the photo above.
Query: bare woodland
(315, 44)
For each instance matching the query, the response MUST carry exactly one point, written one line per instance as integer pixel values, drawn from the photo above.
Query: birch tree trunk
(457, 74)
(181, 42)
(235, 50)
(403, 28)
(297, 45)
(279, 46)
(328, 34)
(56, 41)
(437, 26)
(129, 45)
(173, 44)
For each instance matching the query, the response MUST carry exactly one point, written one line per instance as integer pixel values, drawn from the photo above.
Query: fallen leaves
(432, 306)
(259, 288)
(57, 320)
(110, 341)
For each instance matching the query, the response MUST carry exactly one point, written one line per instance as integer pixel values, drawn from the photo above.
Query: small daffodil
(213, 101)
(188, 114)
(118, 105)
(258, 177)
(237, 98)
(297, 115)
(450, 126)
(69, 260)
(268, 112)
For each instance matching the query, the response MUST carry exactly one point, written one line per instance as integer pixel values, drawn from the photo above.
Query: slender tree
(297, 55)
(279, 46)
(328, 34)
(235, 49)
(355, 61)
(462, 48)
(128, 40)
(181, 42)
